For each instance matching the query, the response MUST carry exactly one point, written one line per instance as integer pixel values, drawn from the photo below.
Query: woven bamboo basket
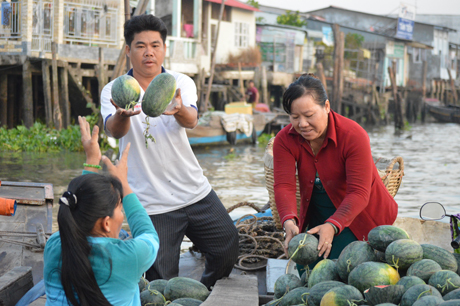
(391, 178)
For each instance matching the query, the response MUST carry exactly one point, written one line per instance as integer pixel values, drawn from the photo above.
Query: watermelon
(450, 303)
(319, 290)
(443, 257)
(286, 283)
(457, 258)
(295, 296)
(445, 281)
(341, 296)
(384, 294)
(370, 274)
(187, 302)
(453, 295)
(303, 249)
(324, 270)
(125, 91)
(380, 256)
(152, 297)
(352, 255)
(304, 277)
(424, 269)
(416, 292)
(402, 253)
(387, 304)
(158, 285)
(381, 236)
(143, 284)
(183, 287)
(159, 93)
(428, 300)
(409, 281)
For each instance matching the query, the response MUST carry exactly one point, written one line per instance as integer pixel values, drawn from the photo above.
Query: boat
(441, 112)
(23, 238)
(212, 132)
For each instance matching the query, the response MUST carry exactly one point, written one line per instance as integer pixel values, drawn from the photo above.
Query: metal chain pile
(259, 239)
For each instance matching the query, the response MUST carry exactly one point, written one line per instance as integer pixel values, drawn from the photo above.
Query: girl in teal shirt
(85, 263)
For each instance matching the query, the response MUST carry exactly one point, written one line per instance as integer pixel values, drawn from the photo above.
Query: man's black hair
(143, 23)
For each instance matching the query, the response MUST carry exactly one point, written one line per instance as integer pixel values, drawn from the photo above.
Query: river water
(430, 153)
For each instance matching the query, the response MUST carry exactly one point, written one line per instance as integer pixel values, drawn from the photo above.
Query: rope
(241, 204)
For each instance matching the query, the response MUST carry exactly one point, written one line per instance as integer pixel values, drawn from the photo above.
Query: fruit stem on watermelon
(146, 132)
(426, 291)
(301, 244)
(130, 105)
(395, 264)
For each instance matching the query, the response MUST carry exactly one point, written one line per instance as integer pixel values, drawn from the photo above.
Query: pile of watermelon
(388, 269)
(177, 291)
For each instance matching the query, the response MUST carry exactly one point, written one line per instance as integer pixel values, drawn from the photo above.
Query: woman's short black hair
(141, 23)
(306, 84)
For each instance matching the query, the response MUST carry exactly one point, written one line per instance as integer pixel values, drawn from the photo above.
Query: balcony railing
(42, 25)
(10, 20)
(90, 24)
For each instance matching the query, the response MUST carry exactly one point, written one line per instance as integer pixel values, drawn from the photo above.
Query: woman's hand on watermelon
(89, 141)
(125, 112)
(176, 104)
(326, 234)
(291, 230)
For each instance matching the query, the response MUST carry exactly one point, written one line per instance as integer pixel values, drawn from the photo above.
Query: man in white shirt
(166, 175)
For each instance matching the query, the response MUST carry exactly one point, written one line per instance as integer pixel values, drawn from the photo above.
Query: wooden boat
(215, 134)
(442, 113)
(23, 237)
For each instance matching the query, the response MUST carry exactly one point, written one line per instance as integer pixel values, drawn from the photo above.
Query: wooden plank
(340, 72)
(14, 284)
(234, 290)
(64, 93)
(101, 79)
(3, 99)
(265, 97)
(424, 72)
(27, 96)
(240, 81)
(57, 116)
(452, 87)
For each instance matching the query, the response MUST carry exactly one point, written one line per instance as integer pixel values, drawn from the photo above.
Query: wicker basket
(391, 178)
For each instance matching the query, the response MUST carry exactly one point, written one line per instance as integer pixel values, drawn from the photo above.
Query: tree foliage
(292, 19)
(253, 3)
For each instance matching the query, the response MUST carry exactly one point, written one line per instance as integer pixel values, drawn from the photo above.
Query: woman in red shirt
(342, 195)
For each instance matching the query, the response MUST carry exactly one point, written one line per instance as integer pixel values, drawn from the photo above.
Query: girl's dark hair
(306, 84)
(96, 197)
(143, 23)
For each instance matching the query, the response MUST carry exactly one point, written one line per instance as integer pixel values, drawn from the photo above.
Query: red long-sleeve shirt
(347, 171)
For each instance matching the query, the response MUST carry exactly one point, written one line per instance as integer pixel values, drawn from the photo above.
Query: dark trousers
(209, 227)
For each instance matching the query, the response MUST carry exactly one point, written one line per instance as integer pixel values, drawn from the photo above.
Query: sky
(442, 7)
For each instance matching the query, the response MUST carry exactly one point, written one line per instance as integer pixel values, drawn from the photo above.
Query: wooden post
(127, 17)
(266, 98)
(397, 114)
(341, 55)
(47, 92)
(64, 90)
(433, 89)
(424, 72)
(120, 65)
(241, 82)
(11, 100)
(213, 57)
(322, 77)
(441, 94)
(452, 87)
(27, 92)
(274, 54)
(101, 71)
(3, 99)
(57, 116)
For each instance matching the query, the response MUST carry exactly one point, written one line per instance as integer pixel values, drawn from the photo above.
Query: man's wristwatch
(293, 220)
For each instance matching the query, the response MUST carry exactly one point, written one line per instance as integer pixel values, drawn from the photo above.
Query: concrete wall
(226, 44)
(450, 21)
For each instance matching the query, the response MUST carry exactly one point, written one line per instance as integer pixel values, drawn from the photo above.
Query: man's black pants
(209, 227)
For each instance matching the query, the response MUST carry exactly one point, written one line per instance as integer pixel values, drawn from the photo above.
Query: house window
(417, 55)
(241, 34)
(226, 14)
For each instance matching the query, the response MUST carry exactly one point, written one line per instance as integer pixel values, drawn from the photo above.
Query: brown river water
(430, 152)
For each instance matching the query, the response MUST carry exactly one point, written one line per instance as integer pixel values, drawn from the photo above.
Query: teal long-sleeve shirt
(130, 259)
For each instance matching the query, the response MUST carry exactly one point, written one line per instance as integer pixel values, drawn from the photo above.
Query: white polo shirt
(165, 176)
